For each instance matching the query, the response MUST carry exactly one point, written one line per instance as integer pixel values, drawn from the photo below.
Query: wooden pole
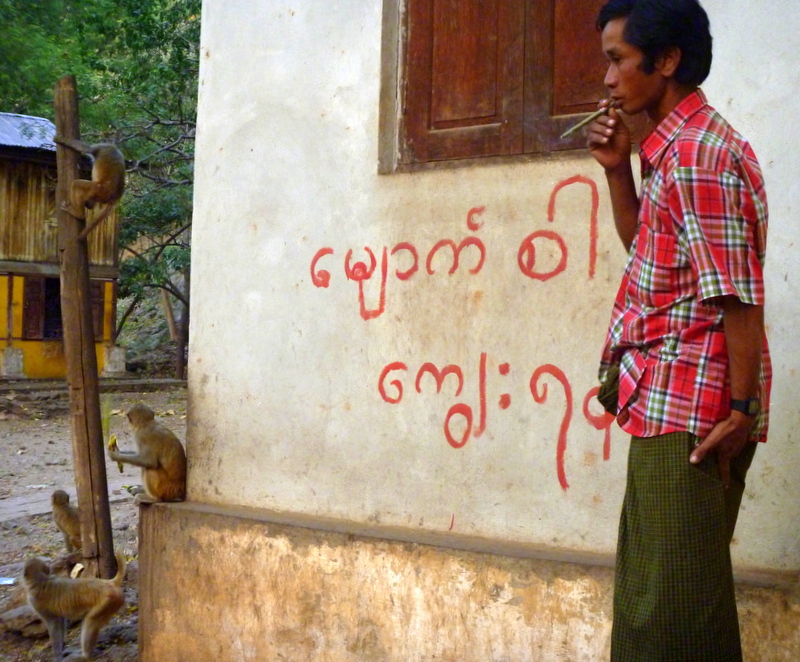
(79, 350)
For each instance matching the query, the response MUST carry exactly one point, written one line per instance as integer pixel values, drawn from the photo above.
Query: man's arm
(609, 142)
(624, 202)
(744, 333)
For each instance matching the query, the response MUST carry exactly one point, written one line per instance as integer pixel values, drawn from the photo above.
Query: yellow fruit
(112, 446)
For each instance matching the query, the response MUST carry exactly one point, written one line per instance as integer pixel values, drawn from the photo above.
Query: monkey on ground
(62, 566)
(107, 183)
(67, 520)
(61, 599)
(160, 455)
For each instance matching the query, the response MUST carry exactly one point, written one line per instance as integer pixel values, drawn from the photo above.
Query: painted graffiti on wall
(407, 255)
(462, 422)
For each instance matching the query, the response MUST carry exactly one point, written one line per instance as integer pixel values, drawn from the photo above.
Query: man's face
(632, 88)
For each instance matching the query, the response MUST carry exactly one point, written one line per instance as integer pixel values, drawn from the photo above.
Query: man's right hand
(609, 142)
(609, 139)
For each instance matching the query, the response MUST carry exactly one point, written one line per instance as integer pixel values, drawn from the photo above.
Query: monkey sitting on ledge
(160, 455)
(61, 599)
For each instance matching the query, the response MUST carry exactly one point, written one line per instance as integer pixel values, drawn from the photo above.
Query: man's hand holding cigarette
(609, 139)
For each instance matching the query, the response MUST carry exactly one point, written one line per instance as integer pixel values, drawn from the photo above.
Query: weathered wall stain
(287, 593)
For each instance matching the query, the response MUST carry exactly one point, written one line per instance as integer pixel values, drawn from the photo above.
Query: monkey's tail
(72, 143)
(96, 221)
(117, 579)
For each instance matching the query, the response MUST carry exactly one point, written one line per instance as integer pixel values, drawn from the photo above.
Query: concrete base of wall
(229, 585)
(12, 365)
(114, 364)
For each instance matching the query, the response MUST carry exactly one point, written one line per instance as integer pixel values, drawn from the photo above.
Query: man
(686, 333)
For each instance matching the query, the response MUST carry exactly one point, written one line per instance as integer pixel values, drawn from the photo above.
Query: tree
(39, 46)
(155, 60)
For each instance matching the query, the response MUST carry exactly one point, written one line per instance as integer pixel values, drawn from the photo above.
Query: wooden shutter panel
(96, 290)
(565, 71)
(33, 308)
(53, 324)
(463, 79)
(578, 62)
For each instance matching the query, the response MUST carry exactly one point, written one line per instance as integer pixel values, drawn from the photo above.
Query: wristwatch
(748, 407)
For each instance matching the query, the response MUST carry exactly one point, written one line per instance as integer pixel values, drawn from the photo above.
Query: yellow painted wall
(44, 359)
(16, 312)
(109, 318)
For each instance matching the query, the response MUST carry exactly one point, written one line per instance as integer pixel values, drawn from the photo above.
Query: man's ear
(667, 63)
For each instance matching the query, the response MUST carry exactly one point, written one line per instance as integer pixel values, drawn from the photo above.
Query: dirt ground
(36, 451)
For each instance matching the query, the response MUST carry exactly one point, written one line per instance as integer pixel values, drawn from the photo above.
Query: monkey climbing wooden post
(79, 351)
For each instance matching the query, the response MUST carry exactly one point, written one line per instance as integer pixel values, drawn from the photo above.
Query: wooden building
(31, 337)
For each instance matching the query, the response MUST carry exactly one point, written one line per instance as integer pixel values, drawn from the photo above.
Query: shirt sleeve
(720, 227)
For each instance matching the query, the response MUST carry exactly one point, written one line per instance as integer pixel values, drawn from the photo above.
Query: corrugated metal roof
(26, 131)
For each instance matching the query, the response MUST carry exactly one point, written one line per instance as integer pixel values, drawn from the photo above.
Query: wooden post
(79, 349)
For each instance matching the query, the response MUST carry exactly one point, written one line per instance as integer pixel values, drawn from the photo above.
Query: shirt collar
(652, 148)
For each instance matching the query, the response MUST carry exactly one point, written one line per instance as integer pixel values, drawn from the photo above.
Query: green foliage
(153, 212)
(38, 46)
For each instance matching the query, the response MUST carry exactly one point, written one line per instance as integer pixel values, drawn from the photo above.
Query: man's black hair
(653, 26)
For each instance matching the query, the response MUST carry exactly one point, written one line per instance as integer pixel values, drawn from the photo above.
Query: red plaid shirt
(701, 234)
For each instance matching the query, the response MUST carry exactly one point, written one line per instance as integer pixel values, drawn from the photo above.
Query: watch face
(749, 407)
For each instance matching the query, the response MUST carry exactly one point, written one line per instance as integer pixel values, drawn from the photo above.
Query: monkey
(107, 183)
(160, 455)
(62, 566)
(67, 520)
(61, 599)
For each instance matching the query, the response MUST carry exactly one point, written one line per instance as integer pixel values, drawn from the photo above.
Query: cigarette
(586, 120)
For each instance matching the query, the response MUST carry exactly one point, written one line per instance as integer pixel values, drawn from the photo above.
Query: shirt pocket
(660, 270)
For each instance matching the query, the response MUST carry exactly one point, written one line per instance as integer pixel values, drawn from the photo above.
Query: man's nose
(610, 81)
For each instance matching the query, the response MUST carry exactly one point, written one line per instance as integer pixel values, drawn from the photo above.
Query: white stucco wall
(286, 407)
